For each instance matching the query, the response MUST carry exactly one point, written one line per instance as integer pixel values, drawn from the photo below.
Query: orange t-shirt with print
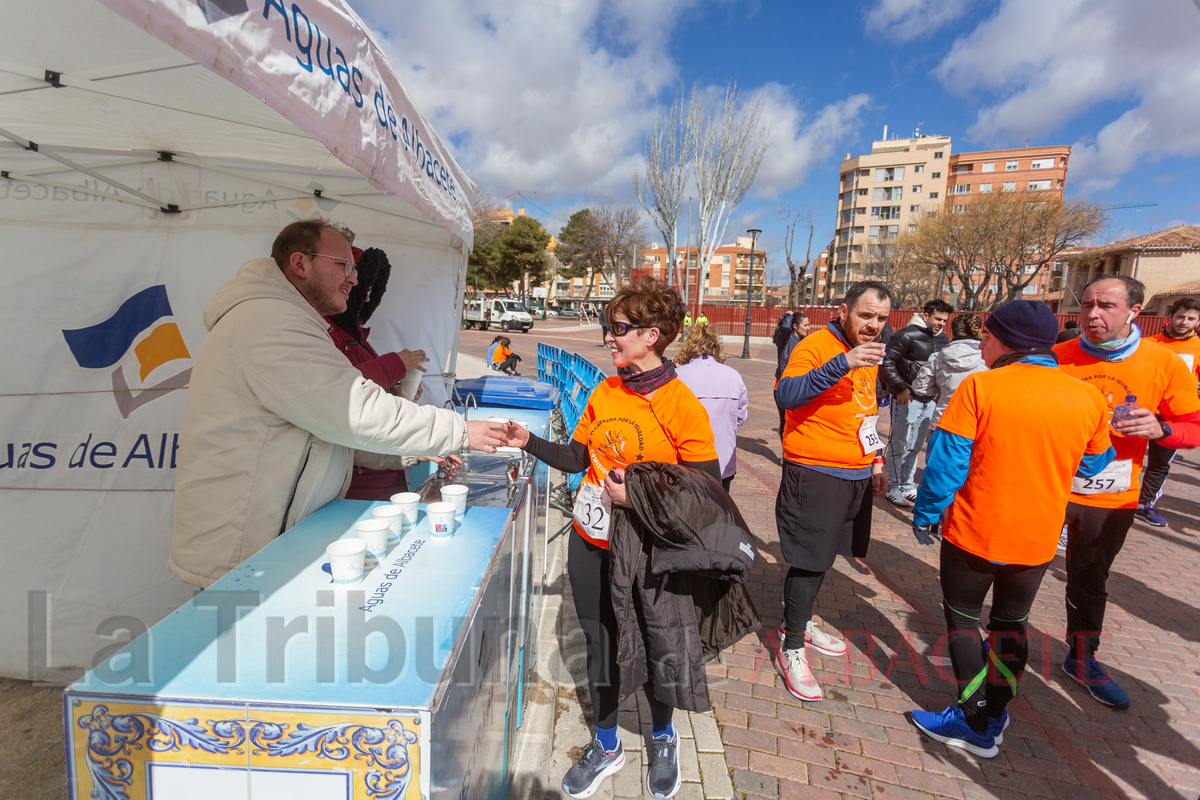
(500, 353)
(1161, 383)
(824, 433)
(1187, 349)
(1031, 425)
(621, 427)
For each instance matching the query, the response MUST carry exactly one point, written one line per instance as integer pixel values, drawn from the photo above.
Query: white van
(500, 312)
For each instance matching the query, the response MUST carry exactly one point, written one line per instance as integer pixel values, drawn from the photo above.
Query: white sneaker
(1062, 540)
(896, 498)
(798, 679)
(910, 497)
(817, 639)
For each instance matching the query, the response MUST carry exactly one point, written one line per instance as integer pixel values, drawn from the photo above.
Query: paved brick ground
(858, 742)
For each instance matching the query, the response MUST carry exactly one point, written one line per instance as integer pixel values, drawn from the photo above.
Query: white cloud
(555, 97)
(1046, 63)
(905, 20)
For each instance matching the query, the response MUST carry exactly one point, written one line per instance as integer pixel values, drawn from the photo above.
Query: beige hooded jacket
(274, 415)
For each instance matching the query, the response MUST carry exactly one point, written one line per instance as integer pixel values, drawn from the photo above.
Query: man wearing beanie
(1112, 356)
(1022, 428)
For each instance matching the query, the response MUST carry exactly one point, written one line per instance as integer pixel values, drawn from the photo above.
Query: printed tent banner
(148, 148)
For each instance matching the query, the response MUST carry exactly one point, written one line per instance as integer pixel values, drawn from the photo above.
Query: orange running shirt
(621, 427)
(824, 433)
(1031, 426)
(1161, 383)
(500, 353)
(1188, 349)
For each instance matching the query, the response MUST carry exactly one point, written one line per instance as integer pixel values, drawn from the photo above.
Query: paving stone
(715, 775)
(708, 738)
(689, 764)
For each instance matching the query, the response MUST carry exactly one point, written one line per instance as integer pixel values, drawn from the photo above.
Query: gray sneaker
(662, 779)
(584, 777)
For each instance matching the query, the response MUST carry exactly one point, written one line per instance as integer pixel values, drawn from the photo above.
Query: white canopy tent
(148, 148)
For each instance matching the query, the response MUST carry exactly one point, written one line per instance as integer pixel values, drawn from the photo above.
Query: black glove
(925, 534)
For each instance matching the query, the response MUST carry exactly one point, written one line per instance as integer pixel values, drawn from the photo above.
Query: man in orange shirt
(1020, 429)
(1158, 397)
(1180, 338)
(831, 468)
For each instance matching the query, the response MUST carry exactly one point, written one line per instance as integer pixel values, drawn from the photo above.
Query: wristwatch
(1166, 426)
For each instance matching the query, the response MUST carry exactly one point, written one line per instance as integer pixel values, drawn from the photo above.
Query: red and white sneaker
(792, 666)
(818, 640)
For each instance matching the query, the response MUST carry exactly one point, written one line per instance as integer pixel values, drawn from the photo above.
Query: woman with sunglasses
(644, 414)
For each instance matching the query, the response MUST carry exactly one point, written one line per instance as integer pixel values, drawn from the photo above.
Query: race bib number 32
(593, 511)
(1115, 478)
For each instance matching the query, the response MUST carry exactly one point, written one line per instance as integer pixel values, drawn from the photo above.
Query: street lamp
(754, 232)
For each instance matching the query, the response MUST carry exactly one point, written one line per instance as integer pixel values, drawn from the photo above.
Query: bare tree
(796, 222)
(912, 283)
(1000, 243)
(726, 145)
(620, 232)
(661, 191)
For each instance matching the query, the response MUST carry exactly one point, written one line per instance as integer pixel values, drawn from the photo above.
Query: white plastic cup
(346, 560)
(408, 502)
(375, 533)
(456, 495)
(441, 519)
(394, 516)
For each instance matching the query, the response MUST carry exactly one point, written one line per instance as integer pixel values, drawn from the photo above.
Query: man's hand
(878, 480)
(515, 434)
(615, 490)
(1143, 424)
(865, 355)
(904, 398)
(485, 436)
(925, 534)
(413, 359)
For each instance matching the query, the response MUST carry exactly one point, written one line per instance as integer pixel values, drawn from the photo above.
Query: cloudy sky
(546, 102)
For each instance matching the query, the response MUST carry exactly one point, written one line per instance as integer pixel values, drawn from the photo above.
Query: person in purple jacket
(720, 389)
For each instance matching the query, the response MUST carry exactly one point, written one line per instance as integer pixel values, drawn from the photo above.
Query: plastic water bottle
(1125, 410)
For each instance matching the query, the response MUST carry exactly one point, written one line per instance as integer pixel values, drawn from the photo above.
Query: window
(885, 212)
(939, 154)
(850, 178)
(1039, 186)
(889, 193)
(1012, 166)
(1030, 269)
(724, 259)
(912, 228)
(919, 168)
(914, 208)
(845, 234)
(965, 169)
(988, 166)
(873, 233)
(916, 189)
(933, 195)
(1030, 289)
(1042, 163)
(657, 259)
(936, 175)
(858, 229)
(889, 174)
(984, 188)
(893, 231)
(959, 209)
(1010, 186)
(847, 215)
(862, 192)
(962, 188)
(864, 173)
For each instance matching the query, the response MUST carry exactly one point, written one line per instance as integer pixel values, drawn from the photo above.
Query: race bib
(593, 511)
(1116, 477)
(868, 435)
(1188, 359)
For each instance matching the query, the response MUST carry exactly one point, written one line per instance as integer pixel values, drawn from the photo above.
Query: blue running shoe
(1096, 681)
(1148, 515)
(998, 725)
(950, 728)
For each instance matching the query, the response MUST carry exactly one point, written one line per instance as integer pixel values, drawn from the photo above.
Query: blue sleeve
(945, 473)
(1095, 463)
(800, 390)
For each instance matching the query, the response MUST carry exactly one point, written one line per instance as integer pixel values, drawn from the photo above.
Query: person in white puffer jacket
(947, 368)
(277, 416)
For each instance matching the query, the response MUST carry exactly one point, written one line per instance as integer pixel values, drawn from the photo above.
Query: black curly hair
(374, 269)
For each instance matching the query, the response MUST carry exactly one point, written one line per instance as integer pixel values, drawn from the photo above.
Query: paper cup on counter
(441, 519)
(346, 560)
(375, 532)
(394, 515)
(407, 502)
(456, 495)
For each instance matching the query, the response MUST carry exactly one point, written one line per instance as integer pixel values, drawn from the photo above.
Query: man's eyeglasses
(622, 328)
(347, 263)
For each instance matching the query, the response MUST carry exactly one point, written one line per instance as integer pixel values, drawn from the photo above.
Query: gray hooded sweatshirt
(945, 370)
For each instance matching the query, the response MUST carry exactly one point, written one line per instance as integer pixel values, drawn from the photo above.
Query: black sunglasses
(622, 328)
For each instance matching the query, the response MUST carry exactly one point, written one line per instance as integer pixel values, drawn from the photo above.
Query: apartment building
(732, 269)
(880, 196)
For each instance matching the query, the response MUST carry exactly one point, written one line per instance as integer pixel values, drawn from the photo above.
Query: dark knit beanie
(1024, 325)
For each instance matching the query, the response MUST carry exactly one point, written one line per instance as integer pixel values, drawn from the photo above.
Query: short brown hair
(1186, 303)
(652, 303)
(701, 341)
(303, 237)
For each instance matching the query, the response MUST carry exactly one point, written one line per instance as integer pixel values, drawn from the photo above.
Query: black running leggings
(587, 568)
(800, 589)
(986, 682)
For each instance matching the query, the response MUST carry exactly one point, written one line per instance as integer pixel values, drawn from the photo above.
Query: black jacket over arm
(679, 560)
(906, 352)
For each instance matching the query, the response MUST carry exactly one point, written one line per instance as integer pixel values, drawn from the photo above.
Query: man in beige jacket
(277, 417)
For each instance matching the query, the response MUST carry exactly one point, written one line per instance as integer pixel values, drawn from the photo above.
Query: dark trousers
(587, 569)
(1094, 537)
(782, 419)
(800, 589)
(727, 482)
(1154, 474)
(987, 677)
(509, 363)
